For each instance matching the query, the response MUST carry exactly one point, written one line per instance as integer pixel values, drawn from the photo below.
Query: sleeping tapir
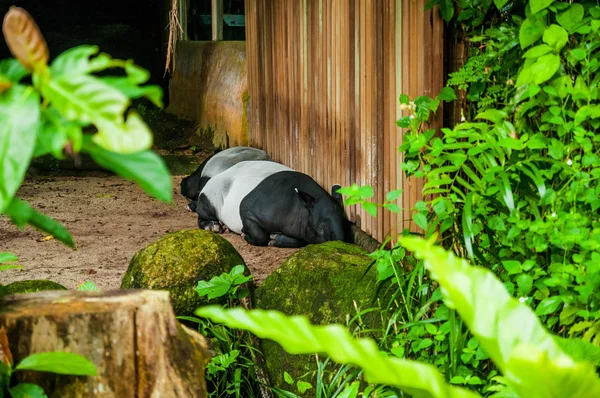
(270, 204)
(215, 164)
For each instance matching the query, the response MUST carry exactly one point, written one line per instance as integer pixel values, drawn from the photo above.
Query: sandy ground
(110, 219)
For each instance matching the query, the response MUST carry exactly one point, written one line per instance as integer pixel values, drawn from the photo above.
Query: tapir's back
(226, 190)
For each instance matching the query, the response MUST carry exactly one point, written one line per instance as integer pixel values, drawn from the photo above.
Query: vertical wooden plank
(184, 12)
(217, 19)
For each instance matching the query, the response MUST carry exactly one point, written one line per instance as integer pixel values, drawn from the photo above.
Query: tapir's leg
(281, 240)
(253, 233)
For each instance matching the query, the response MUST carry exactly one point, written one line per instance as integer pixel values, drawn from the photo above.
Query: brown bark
(132, 337)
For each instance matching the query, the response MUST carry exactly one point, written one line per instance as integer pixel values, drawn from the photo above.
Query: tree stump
(132, 336)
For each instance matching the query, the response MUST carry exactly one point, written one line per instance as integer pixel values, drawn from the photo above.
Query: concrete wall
(209, 85)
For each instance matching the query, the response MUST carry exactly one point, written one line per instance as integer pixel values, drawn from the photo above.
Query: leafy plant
(533, 363)
(231, 370)
(55, 362)
(55, 115)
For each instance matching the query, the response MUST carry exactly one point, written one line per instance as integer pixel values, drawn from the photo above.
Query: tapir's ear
(306, 199)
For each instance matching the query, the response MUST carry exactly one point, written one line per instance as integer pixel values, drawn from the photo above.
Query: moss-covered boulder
(177, 261)
(32, 286)
(321, 282)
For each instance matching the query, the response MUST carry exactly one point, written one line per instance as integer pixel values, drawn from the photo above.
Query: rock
(177, 261)
(32, 286)
(321, 282)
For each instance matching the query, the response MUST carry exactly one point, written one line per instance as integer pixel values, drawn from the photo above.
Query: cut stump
(132, 336)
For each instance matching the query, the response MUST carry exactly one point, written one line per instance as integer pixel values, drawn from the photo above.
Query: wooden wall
(324, 78)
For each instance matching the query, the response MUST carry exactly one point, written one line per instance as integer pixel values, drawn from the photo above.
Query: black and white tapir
(271, 204)
(192, 185)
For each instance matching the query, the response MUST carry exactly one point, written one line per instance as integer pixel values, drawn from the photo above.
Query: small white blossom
(553, 214)
(569, 162)
(522, 299)
(412, 116)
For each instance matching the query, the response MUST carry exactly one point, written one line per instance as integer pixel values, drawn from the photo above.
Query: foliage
(509, 331)
(230, 371)
(63, 363)
(513, 186)
(68, 99)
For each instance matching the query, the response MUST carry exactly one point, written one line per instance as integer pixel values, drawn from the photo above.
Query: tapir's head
(325, 218)
(189, 187)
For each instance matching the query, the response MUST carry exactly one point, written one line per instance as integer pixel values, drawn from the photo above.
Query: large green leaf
(146, 168)
(58, 362)
(540, 71)
(556, 37)
(532, 362)
(87, 99)
(539, 5)
(571, 17)
(297, 336)
(21, 214)
(531, 31)
(19, 125)
(447, 9)
(76, 61)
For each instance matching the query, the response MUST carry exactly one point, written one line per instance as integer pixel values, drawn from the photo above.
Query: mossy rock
(32, 286)
(321, 282)
(177, 261)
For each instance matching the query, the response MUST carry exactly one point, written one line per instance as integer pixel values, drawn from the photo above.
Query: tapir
(192, 185)
(271, 204)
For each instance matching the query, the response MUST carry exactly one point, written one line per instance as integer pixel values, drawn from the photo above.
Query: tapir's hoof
(271, 242)
(226, 230)
(273, 236)
(187, 207)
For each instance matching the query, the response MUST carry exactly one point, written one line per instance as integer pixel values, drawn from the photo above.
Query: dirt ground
(110, 219)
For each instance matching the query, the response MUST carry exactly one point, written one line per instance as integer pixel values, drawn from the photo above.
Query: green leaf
(571, 17)
(493, 115)
(531, 31)
(88, 286)
(132, 90)
(539, 5)
(548, 305)
(13, 70)
(218, 286)
(351, 391)
(447, 9)
(587, 112)
(542, 70)
(19, 126)
(9, 267)
(500, 3)
(58, 362)
(421, 220)
(288, 378)
(26, 390)
(7, 257)
(297, 336)
(76, 61)
(21, 214)
(556, 37)
(303, 386)
(532, 363)
(88, 99)
(365, 192)
(537, 51)
(370, 208)
(146, 168)
(393, 195)
(580, 350)
(525, 283)
(404, 99)
(447, 94)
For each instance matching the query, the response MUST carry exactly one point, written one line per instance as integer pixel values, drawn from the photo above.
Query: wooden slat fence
(324, 78)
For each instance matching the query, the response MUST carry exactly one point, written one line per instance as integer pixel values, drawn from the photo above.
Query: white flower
(412, 116)
(569, 162)
(553, 214)
(522, 299)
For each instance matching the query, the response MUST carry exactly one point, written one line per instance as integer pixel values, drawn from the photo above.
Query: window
(200, 20)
